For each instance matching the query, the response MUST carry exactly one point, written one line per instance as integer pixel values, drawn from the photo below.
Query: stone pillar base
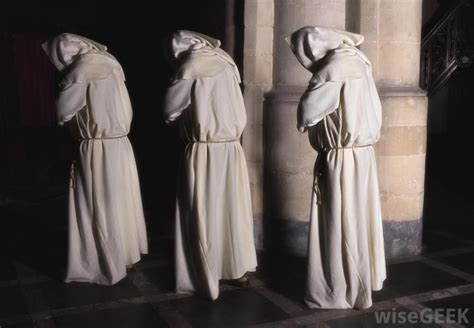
(402, 238)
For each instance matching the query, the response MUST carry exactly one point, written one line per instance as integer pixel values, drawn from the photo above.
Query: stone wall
(281, 160)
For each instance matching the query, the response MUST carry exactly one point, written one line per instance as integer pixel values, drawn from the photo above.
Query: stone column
(280, 158)
(257, 79)
(288, 156)
(392, 31)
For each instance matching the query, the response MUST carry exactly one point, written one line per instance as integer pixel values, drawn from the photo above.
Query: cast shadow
(34, 233)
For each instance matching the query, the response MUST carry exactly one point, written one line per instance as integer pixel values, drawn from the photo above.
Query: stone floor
(443, 277)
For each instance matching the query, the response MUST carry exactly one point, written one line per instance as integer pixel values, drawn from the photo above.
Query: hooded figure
(106, 222)
(214, 222)
(342, 113)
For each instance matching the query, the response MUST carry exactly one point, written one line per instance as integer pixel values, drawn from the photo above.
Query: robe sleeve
(72, 99)
(177, 99)
(318, 101)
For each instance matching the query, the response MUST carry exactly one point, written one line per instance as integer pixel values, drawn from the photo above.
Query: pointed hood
(197, 55)
(80, 59)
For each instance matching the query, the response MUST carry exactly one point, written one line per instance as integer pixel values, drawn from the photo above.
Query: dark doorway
(449, 206)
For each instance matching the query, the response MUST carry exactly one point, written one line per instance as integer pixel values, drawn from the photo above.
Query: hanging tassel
(72, 175)
(75, 156)
(319, 168)
(317, 189)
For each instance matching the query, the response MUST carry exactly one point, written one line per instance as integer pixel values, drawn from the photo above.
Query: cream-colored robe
(106, 222)
(214, 222)
(342, 111)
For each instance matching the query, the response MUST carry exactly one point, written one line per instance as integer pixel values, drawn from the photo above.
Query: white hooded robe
(342, 110)
(214, 222)
(106, 222)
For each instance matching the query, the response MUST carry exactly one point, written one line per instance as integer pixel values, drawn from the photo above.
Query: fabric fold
(214, 221)
(107, 228)
(342, 113)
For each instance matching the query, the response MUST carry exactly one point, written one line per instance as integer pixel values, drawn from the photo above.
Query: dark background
(134, 35)
(35, 158)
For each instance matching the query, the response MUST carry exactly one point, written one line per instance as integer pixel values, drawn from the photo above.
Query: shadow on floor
(33, 230)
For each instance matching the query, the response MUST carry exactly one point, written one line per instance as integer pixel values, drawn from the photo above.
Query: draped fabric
(106, 222)
(197, 56)
(214, 222)
(342, 113)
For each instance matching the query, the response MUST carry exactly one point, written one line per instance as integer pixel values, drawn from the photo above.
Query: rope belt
(349, 147)
(103, 138)
(319, 171)
(72, 174)
(214, 141)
